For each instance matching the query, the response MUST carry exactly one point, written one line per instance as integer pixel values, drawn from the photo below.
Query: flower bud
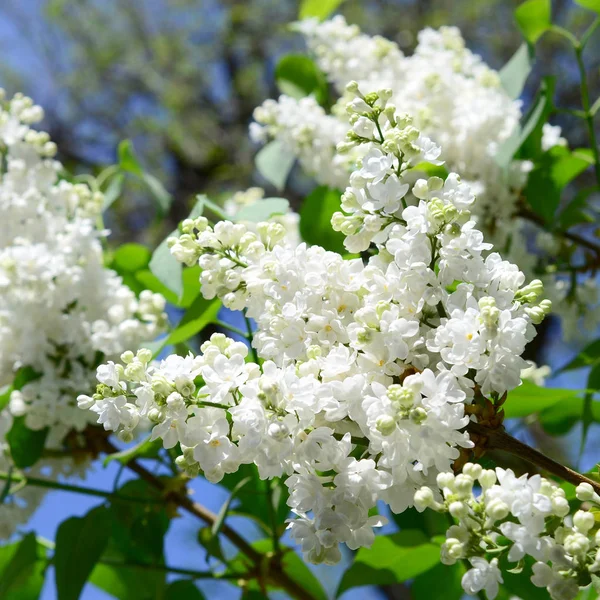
(125, 436)
(386, 425)
(127, 356)
(577, 544)
(585, 492)
(418, 415)
(472, 470)
(85, 402)
(458, 509)
(487, 478)
(423, 499)
(583, 520)
(144, 355)
(497, 509)
(185, 385)
(560, 506)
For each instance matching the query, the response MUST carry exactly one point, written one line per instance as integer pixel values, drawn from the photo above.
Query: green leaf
(427, 586)
(25, 375)
(80, 542)
(221, 516)
(520, 585)
(298, 76)
(263, 210)
(528, 137)
(190, 281)
(5, 392)
(145, 449)
(21, 570)
(529, 398)
(203, 203)
(560, 418)
(555, 169)
(130, 164)
(138, 528)
(211, 544)
(137, 536)
(167, 269)
(113, 191)
(26, 445)
(295, 568)
(157, 189)
(131, 258)
(534, 18)
(315, 219)
(200, 314)
(252, 500)
(274, 162)
(291, 564)
(430, 170)
(591, 4)
(183, 589)
(391, 559)
(430, 522)
(318, 8)
(128, 160)
(515, 72)
(575, 212)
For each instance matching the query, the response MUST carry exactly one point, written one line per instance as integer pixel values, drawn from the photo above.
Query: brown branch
(274, 573)
(498, 439)
(574, 237)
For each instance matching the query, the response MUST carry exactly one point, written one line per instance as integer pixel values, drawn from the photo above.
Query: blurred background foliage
(181, 78)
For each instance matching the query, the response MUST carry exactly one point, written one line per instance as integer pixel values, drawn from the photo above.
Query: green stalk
(65, 487)
(585, 102)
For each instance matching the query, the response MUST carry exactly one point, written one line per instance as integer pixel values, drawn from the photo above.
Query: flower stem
(250, 337)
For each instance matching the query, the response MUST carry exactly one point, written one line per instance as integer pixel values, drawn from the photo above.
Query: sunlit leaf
(515, 72)
(131, 257)
(21, 570)
(263, 210)
(530, 398)
(591, 4)
(274, 162)
(298, 76)
(144, 449)
(534, 18)
(318, 8)
(391, 559)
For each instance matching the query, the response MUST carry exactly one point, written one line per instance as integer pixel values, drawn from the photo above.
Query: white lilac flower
(465, 116)
(60, 308)
(500, 516)
(376, 354)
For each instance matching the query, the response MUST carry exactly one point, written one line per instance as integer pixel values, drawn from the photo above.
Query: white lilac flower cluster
(365, 368)
(61, 310)
(457, 101)
(502, 519)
